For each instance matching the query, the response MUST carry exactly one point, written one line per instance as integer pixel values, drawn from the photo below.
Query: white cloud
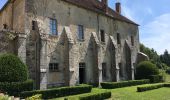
(157, 33)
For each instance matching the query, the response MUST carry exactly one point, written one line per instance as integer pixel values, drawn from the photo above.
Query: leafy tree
(152, 54)
(165, 58)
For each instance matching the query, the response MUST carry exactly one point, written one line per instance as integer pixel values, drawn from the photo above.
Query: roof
(93, 5)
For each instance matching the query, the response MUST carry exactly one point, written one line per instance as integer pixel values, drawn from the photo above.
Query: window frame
(118, 39)
(33, 25)
(53, 67)
(102, 36)
(80, 32)
(104, 70)
(53, 26)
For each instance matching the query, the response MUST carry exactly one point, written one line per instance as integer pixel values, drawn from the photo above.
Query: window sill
(54, 71)
(81, 40)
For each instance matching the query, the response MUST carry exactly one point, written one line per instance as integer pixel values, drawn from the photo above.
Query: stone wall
(83, 51)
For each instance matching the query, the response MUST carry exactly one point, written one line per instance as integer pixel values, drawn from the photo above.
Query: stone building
(68, 42)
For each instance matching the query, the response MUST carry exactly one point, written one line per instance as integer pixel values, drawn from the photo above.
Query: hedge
(151, 87)
(35, 97)
(96, 96)
(156, 78)
(14, 88)
(112, 85)
(58, 92)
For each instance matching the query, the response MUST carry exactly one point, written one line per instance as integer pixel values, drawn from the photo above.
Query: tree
(152, 54)
(165, 58)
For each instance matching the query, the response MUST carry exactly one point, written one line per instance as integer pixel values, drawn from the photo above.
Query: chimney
(105, 5)
(118, 7)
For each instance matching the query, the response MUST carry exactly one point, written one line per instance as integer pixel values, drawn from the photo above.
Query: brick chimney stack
(105, 5)
(118, 7)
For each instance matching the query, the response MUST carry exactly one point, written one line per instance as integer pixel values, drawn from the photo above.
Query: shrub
(14, 88)
(112, 85)
(4, 97)
(12, 69)
(167, 85)
(168, 70)
(156, 78)
(145, 69)
(58, 92)
(96, 96)
(35, 97)
(149, 87)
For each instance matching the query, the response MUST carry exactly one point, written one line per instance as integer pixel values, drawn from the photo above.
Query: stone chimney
(105, 5)
(118, 7)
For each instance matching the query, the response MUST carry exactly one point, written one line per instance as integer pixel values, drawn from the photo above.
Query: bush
(112, 85)
(58, 92)
(14, 88)
(168, 70)
(12, 69)
(35, 97)
(150, 87)
(145, 69)
(156, 78)
(96, 96)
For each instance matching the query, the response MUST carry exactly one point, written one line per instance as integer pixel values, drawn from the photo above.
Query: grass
(130, 93)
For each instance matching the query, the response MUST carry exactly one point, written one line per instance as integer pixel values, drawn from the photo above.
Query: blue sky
(153, 16)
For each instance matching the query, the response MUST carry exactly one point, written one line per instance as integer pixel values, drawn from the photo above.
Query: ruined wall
(71, 16)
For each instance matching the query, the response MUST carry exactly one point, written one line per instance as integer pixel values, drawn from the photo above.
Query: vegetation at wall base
(14, 88)
(151, 87)
(12, 69)
(112, 85)
(58, 92)
(95, 96)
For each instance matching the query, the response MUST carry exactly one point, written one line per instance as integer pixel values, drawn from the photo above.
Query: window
(5, 26)
(120, 70)
(118, 38)
(80, 32)
(132, 40)
(104, 70)
(81, 65)
(33, 25)
(53, 67)
(102, 35)
(53, 27)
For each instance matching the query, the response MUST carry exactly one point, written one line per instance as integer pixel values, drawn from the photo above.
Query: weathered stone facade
(38, 49)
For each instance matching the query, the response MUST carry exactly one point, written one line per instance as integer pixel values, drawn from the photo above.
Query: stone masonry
(107, 52)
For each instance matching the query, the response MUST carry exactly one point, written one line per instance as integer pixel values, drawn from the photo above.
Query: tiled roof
(98, 7)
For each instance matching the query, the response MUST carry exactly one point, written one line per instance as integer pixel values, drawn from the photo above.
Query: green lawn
(129, 93)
